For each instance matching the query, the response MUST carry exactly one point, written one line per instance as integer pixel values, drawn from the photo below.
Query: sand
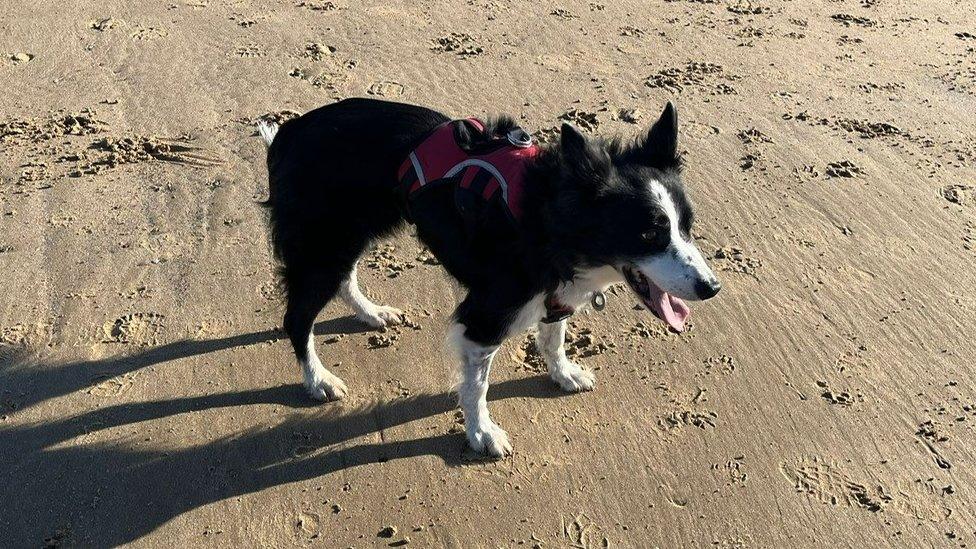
(825, 397)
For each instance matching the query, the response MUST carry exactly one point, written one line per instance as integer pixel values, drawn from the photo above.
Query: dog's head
(631, 212)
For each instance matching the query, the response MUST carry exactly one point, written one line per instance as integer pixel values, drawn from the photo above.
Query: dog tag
(599, 301)
(520, 138)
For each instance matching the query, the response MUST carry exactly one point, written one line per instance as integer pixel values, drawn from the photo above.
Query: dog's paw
(381, 316)
(326, 388)
(573, 378)
(490, 440)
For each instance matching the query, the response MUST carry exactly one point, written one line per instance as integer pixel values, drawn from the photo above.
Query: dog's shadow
(109, 493)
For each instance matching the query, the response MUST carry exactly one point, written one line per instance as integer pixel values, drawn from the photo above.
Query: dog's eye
(651, 237)
(661, 220)
(657, 238)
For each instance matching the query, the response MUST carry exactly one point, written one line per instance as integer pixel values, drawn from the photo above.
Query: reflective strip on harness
(417, 168)
(485, 166)
(493, 163)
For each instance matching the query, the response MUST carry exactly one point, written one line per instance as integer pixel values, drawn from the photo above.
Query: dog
(532, 232)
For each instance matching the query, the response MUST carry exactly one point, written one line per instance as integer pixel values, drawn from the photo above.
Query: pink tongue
(671, 309)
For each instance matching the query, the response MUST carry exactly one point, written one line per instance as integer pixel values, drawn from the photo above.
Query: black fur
(332, 193)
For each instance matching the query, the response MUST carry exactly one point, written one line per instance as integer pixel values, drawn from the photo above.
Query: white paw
(573, 378)
(381, 316)
(326, 388)
(490, 440)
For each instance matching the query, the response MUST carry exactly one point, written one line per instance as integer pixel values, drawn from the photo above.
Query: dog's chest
(575, 294)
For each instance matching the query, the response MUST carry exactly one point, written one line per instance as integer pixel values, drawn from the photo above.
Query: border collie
(532, 232)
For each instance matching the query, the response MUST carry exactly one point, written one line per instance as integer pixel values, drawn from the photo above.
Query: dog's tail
(268, 131)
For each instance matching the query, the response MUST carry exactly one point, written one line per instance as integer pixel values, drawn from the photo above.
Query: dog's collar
(555, 310)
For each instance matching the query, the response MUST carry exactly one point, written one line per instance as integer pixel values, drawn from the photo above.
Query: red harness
(493, 170)
(492, 174)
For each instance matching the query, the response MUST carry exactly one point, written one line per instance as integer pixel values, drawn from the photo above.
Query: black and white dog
(591, 213)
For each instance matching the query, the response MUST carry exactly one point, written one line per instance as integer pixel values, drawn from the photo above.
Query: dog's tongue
(668, 308)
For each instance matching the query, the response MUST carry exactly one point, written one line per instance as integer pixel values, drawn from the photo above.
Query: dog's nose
(706, 289)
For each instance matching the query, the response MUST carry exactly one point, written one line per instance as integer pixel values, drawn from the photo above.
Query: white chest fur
(576, 293)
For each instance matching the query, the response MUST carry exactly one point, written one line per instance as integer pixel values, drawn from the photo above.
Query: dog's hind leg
(551, 343)
(307, 296)
(375, 315)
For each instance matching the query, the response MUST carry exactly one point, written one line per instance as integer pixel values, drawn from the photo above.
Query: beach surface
(826, 397)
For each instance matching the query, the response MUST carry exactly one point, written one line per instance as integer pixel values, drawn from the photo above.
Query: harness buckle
(520, 138)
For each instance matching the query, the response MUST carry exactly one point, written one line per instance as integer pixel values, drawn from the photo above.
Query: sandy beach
(826, 397)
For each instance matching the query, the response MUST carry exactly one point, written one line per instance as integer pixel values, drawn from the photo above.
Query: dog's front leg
(570, 376)
(483, 435)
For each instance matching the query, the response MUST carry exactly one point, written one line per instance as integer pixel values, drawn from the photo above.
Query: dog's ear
(660, 148)
(571, 139)
(586, 160)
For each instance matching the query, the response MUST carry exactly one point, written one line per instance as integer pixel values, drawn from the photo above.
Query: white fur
(570, 376)
(375, 315)
(528, 315)
(578, 292)
(678, 268)
(483, 434)
(319, 381)
(268, 131)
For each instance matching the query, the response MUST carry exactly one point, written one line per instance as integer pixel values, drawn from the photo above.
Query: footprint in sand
(963, 195)
(386, 89)
(629, 30)
(112, 386)
(102, 25)
(584, 120)
(139, 148)
(563, 13)
(243, 21)
(694, 75)
(318, 51)
(20, 57)
(581, 531)
(133, 329)
(723, 364)
(250, 50)
(386, 339)
(308, 524)
(679, 419)
(748, 35)
(841, 398)
(527, 358)
(843, 168)
(275, 117)
(753, 136)
(746, 7)
(24, 335)
(318, 5)
(830, 484)
(849, 20)
(734, 259)
(144, 33)
(733, 470)
(458, 43)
